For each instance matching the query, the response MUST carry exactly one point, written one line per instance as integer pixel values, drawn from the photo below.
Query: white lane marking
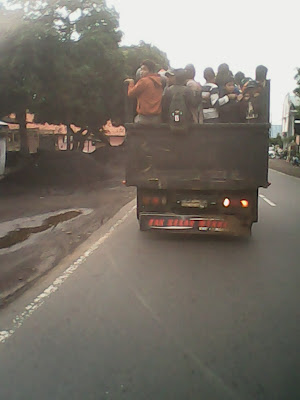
(267, 200)
(40, 300)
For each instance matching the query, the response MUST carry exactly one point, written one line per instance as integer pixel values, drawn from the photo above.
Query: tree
(64, 64)
(62, 61)
(21, 68)
(88, 71)
(297, 90)
(276, 141)
(134, 55)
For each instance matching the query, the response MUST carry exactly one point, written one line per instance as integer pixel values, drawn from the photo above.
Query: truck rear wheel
(137, 208)
(247, 231)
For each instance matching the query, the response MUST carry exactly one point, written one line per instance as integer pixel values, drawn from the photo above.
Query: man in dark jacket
(229, 111)
(188, 98)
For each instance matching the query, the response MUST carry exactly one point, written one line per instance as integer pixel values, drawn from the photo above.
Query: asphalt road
(142, 316)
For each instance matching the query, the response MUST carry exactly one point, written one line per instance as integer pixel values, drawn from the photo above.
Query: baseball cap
(170, 72)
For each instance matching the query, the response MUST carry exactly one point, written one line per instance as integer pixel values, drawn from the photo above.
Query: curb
(284, 173)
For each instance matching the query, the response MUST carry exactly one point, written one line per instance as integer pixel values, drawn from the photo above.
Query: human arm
(165, 104)
(221, 101)
(135, 90)
(192, 98)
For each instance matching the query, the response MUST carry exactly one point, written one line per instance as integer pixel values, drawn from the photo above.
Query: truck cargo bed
(209, 156)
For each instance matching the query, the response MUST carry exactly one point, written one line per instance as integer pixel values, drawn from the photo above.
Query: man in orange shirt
(148, 92)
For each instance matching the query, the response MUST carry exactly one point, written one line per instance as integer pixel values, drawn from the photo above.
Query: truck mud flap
(194, 224)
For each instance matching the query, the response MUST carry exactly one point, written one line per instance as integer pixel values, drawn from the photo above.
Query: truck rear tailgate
(208, 156)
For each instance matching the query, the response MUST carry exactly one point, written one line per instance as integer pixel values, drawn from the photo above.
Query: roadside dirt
(284, 166)
(57, 202)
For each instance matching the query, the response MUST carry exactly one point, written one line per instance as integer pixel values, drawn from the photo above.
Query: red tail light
(146, 200)
(154, 200)
(245, 203)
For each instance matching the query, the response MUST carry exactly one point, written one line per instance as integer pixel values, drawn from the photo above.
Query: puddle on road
(21, 234)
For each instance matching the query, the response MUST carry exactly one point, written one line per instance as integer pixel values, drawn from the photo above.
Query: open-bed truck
(203, 180)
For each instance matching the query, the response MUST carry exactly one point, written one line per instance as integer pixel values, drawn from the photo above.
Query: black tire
(255, 219)
(138, 202)
(142, 228)
(247, 231)
(137, 207)
(250, 231)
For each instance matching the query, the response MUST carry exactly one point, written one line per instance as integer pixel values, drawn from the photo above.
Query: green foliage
(88, 71)
(134, 55)
(22, 67)
(61, 60)
(297, 78)
(65, 66)
(297, 90)
(276, 141)
(287, 140)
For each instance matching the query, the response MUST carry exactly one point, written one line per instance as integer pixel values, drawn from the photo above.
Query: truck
(202, 180)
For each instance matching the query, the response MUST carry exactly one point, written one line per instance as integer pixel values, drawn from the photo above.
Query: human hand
(129, 80)
(232, 96)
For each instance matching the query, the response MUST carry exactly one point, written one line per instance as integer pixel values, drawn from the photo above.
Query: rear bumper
(194, 224)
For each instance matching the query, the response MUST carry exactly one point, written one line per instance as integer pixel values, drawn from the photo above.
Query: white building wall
(286, 115)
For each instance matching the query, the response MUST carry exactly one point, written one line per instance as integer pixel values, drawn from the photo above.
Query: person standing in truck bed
(229, 111)
(196, 89)
(184, 94)
(210, 97)
(148, 92)
(261, 98)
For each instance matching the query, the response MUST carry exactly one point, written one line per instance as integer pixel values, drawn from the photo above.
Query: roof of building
(61, 129)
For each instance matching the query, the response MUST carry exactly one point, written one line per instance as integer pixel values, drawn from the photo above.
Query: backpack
(178, 111)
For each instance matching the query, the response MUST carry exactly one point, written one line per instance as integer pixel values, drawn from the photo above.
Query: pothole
(35, 225)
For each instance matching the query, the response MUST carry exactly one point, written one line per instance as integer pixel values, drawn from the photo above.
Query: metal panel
(209, 156)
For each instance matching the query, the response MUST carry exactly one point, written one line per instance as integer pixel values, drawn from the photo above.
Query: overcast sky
(207, 33)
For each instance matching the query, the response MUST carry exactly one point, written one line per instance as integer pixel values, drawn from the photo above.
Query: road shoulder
(284, 167)
(36, 192)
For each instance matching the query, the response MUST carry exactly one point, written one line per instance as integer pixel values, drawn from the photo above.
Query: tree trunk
(78, 140)
(21, 118)
(82, 139)
(69, 135)
(101, 135)
(2, 154)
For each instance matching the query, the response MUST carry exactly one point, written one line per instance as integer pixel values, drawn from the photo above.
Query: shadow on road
(201, 238)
